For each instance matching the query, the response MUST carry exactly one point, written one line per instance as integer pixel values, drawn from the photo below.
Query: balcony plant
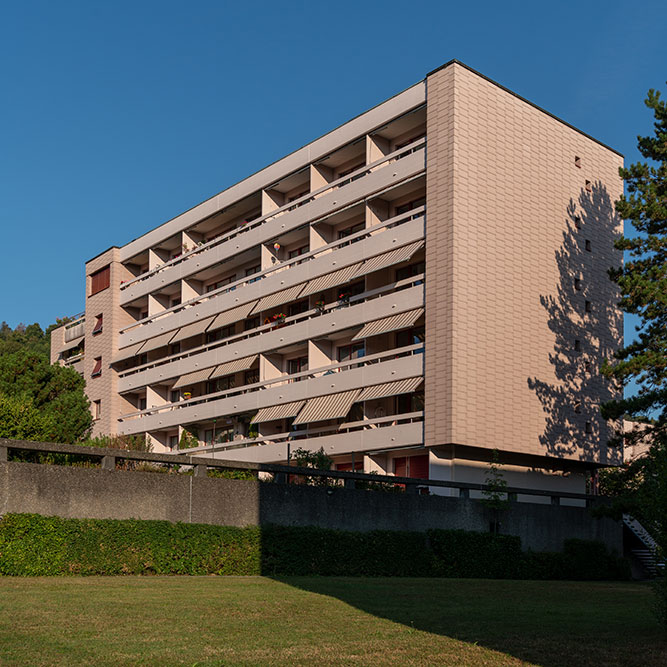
(319, 304)
(344, 298)
(187, 395)
(278, 320)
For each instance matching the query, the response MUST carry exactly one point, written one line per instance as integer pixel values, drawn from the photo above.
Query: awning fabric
(331, 406)
(129, 352)
(192, 378)
(232, 315)
(390, 389)
(389, 258)
(328, 280)
(391, 323)
(284, 296)
(283, 411)
(234, 366)
(192, 329)
(158, 341)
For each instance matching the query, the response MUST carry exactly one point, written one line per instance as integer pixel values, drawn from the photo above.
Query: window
(343, 233)
(577, 345)
(295, 197)
(415, 203)
(298, 308)
(354, 351)
(173, 441)
(98, 325)
(97, 409)
(100, 280)
(97, 368)
(176, 301)
(251, 271)
(174, 396)
(220, 283)
(142, 404)
(296, 366)
(587, 366)
(402, 144)
(589, 307)
(577, 222)
(251, 323)
(174, 348)
(413, 336)
(577, 284)
(410, 402)
(407, 272)
(219, 334)
(589, 427)
(589, 186)
(345, 172)
(577, 408)
(588, 246)
(297, 252)
(221, 384)
(577, 161)
(251, 376)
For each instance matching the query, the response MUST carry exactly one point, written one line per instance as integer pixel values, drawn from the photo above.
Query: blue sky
(117, 116)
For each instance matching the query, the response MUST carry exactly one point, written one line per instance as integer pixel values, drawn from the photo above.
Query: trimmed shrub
(34, 545)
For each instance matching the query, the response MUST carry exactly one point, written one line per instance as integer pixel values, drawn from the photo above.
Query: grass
(343, 621)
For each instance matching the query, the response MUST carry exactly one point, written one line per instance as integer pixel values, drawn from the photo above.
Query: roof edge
(523, 99)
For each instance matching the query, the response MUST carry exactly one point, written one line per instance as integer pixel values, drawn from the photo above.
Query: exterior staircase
(648, 555)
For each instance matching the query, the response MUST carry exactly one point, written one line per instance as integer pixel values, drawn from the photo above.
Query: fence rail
(108, 459)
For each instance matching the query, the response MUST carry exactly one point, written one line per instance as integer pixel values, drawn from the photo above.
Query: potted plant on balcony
(319, 304)
(187, 395)
(344, 298)
(278, 320)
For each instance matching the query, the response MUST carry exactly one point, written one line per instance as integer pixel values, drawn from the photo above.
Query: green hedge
(34, 545)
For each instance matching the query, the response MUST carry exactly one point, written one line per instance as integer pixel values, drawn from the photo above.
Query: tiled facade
(421, 285)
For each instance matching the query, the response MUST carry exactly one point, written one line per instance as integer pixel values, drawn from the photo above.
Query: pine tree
(643, 280)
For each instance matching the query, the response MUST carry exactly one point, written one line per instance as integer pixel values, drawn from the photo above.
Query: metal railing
(109, 458)
(311, 196)
(337, 367)
(281, 266)
(369, 295)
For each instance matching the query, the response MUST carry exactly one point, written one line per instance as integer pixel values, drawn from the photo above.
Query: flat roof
(447, 64)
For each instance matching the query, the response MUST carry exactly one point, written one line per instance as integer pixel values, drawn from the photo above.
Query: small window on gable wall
(588, 306)
(577, 284)
(577, 345)
(577, 222)
(100, 280)
(577, 408)
(589, 247)
(589, 427)
(97, 368)
(98, 324)
(577, 161)
(589, 186)
(97, 409)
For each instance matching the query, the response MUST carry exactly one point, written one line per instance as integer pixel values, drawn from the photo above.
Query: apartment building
(419, 286)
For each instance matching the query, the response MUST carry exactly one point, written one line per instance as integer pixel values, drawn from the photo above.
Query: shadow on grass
(546, 623)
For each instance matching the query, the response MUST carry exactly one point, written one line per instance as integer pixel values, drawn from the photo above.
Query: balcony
(382, 238)
(363, 308)
(370, 179)
(389, 366)
(75, 329)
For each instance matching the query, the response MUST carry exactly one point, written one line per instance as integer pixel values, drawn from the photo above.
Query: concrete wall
(107, 494)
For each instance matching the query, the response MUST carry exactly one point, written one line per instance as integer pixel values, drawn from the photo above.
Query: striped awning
(234, 366)
(232, 315)
(391, 323)
(193, 329)
(284, 296)
(332, 406)
(192, 378)
(328, 280)
(158, 341)
(283, 411)
(390, 389)
(392, 257)
(129, 352)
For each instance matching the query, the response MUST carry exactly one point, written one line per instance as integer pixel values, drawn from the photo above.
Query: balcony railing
(329, 187)
(309, 434)
(75, 329)
(289, 321)
(338, 367)
(266, 273)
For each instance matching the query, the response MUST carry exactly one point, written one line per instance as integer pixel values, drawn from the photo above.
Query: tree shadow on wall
(583, 317)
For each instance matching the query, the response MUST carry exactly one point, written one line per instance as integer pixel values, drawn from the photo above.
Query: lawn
(345, 621)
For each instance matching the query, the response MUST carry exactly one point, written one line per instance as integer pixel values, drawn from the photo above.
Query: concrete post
(108, 463)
